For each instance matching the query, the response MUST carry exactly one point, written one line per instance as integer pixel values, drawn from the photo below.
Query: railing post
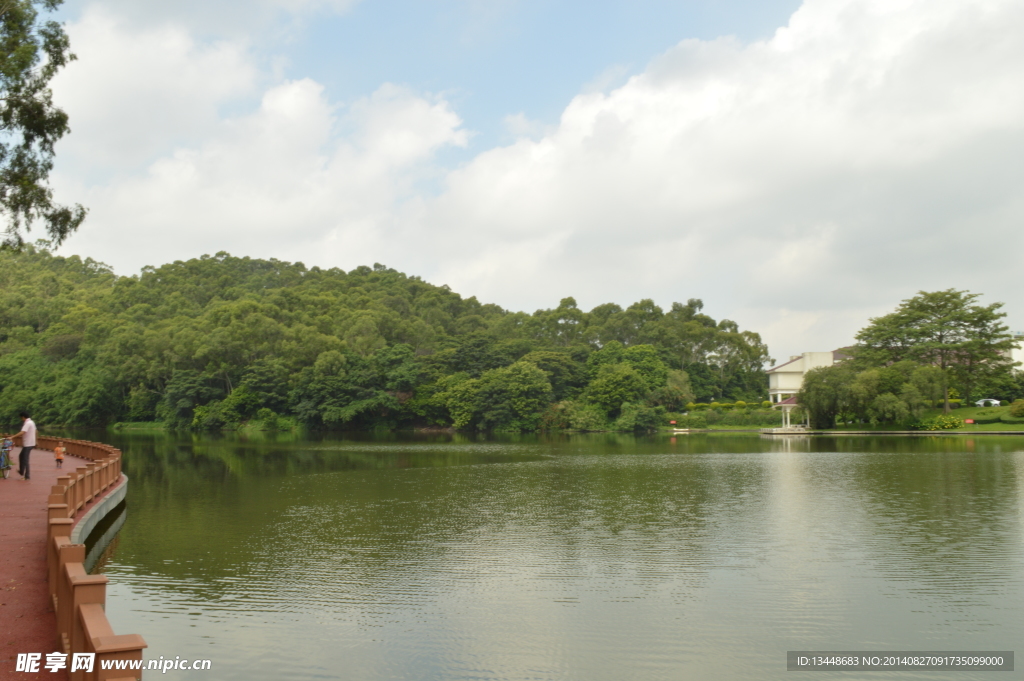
(123, 647)
(66, 553)
(90, 482)
(85, 589)
(71, 491)
(57, 496)
(56, 511)
(79, 488)
(64, 482)
(57, 527)
(93, 622)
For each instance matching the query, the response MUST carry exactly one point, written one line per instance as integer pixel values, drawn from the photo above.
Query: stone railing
(78, 597)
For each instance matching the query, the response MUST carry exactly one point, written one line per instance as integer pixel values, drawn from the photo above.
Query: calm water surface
(588, 557)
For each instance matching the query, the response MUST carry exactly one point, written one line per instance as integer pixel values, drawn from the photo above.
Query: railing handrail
(78, 597)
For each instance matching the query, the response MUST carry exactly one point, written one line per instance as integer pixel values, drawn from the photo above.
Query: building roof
(785, 363)
(837, 355)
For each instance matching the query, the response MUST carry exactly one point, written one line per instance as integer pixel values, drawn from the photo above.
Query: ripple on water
(553, 565)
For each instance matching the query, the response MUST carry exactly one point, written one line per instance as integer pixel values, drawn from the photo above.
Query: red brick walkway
(27, 620)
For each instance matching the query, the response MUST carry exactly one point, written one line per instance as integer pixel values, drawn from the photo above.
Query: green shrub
(637, 417)
(1004, 403)
(942, 422)
(573, 415)
(691, 421)
(767, 404)
(740, 404)
(701, 406)
(269, 419)
(768, 418)
(214, 416)
(1017, 409)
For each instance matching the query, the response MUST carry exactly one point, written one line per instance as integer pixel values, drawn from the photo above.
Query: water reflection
(596, 557)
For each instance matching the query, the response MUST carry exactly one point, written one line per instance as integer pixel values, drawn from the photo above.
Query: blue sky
(800, 166)
(491, 59)
(494, 59)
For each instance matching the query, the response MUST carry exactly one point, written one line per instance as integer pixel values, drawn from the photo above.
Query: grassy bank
(279, 424)
(984, 418)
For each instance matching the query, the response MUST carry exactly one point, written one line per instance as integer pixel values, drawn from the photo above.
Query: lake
(590, 557)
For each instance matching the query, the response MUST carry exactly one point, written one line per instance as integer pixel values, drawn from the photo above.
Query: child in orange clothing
(58, 454)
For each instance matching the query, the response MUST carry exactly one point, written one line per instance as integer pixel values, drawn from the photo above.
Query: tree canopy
(967, 342)
(219, 340)
(31, 53)
(913, 358)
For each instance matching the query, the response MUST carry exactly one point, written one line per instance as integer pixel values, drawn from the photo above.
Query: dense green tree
(218, 341)
(640, 418)
(647, 362)
(886, 394)
(562, 326)
(825, 394)
(574, 415)
(567, 376)
(675, 394)
(186, 390)
(267, 380)
(615, 385)
(929, 381)
(944, 329)
(31, 53)
(512, 398)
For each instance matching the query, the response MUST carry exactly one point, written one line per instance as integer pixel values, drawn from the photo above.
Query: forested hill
(220, 340)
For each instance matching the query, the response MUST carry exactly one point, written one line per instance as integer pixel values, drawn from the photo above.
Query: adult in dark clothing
(28, 443)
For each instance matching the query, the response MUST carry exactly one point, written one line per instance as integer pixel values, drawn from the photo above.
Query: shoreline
(901, 433)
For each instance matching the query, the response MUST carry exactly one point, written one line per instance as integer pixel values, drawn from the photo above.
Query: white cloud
(137, 92)
(866, 151)
(518, 125)
(869, 149)
(274, 183)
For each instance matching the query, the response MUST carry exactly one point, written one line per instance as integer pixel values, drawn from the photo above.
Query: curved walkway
(27, 620)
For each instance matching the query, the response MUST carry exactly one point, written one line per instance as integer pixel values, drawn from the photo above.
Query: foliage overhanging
(31, 53)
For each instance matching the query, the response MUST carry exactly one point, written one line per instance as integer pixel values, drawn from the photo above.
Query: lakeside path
(28, 623)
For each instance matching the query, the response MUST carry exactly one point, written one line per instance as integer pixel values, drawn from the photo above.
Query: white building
(785, 380)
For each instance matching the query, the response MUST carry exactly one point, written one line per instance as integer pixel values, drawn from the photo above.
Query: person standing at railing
(28, 443)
